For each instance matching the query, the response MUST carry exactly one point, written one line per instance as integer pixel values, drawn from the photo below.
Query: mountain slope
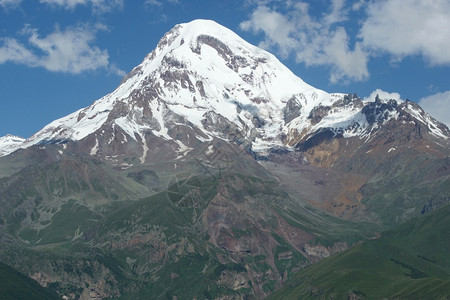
(222, 235)
(14, 285)
(409, 262)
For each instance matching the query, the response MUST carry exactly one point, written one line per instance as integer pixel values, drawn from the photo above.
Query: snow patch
(183, 150)
(145, 149)
(94, 149)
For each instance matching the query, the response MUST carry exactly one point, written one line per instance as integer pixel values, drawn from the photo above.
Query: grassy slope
(409, 262)
(188, 263)
(197, 273)
(14, 285)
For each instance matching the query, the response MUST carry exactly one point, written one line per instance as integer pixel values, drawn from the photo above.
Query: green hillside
(15, 286)
(411, 261)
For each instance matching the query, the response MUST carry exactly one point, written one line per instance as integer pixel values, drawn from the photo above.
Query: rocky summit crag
(212, 172)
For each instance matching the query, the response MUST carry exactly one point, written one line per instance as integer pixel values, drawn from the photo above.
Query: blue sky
(57, 56)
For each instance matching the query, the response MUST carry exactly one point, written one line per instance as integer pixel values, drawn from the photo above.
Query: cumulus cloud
(68, 51)
(98, 5)
(278, 29)
(8, 4)
(438, 106)
(345, 63)
(12, 50)
(314, 41)
(409, 27)
(398, 28)
(383, 95)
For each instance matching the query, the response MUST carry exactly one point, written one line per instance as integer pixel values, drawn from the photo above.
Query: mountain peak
(199, 27)
(197, 69)
(190, 32)
(207, 82)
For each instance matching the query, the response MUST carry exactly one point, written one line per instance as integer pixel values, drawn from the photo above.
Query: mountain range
(212, 171)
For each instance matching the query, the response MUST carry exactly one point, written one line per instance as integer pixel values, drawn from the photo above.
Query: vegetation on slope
(408, 262)
(15, 286)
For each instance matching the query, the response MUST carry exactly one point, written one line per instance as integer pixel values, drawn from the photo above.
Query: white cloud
(153, 2)
(398, 28)
(98, 5)
(12, 50)
(438, 106)
(315, 41)
(358, 5)
(68, 51)
(347, 63)
(278, 29)
(409, 27)
(7, 4)
(383, 96)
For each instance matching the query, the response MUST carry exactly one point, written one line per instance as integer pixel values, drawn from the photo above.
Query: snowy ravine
(204, 76)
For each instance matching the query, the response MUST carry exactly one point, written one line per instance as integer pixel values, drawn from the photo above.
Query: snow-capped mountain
(211, 154)
(203, 82)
